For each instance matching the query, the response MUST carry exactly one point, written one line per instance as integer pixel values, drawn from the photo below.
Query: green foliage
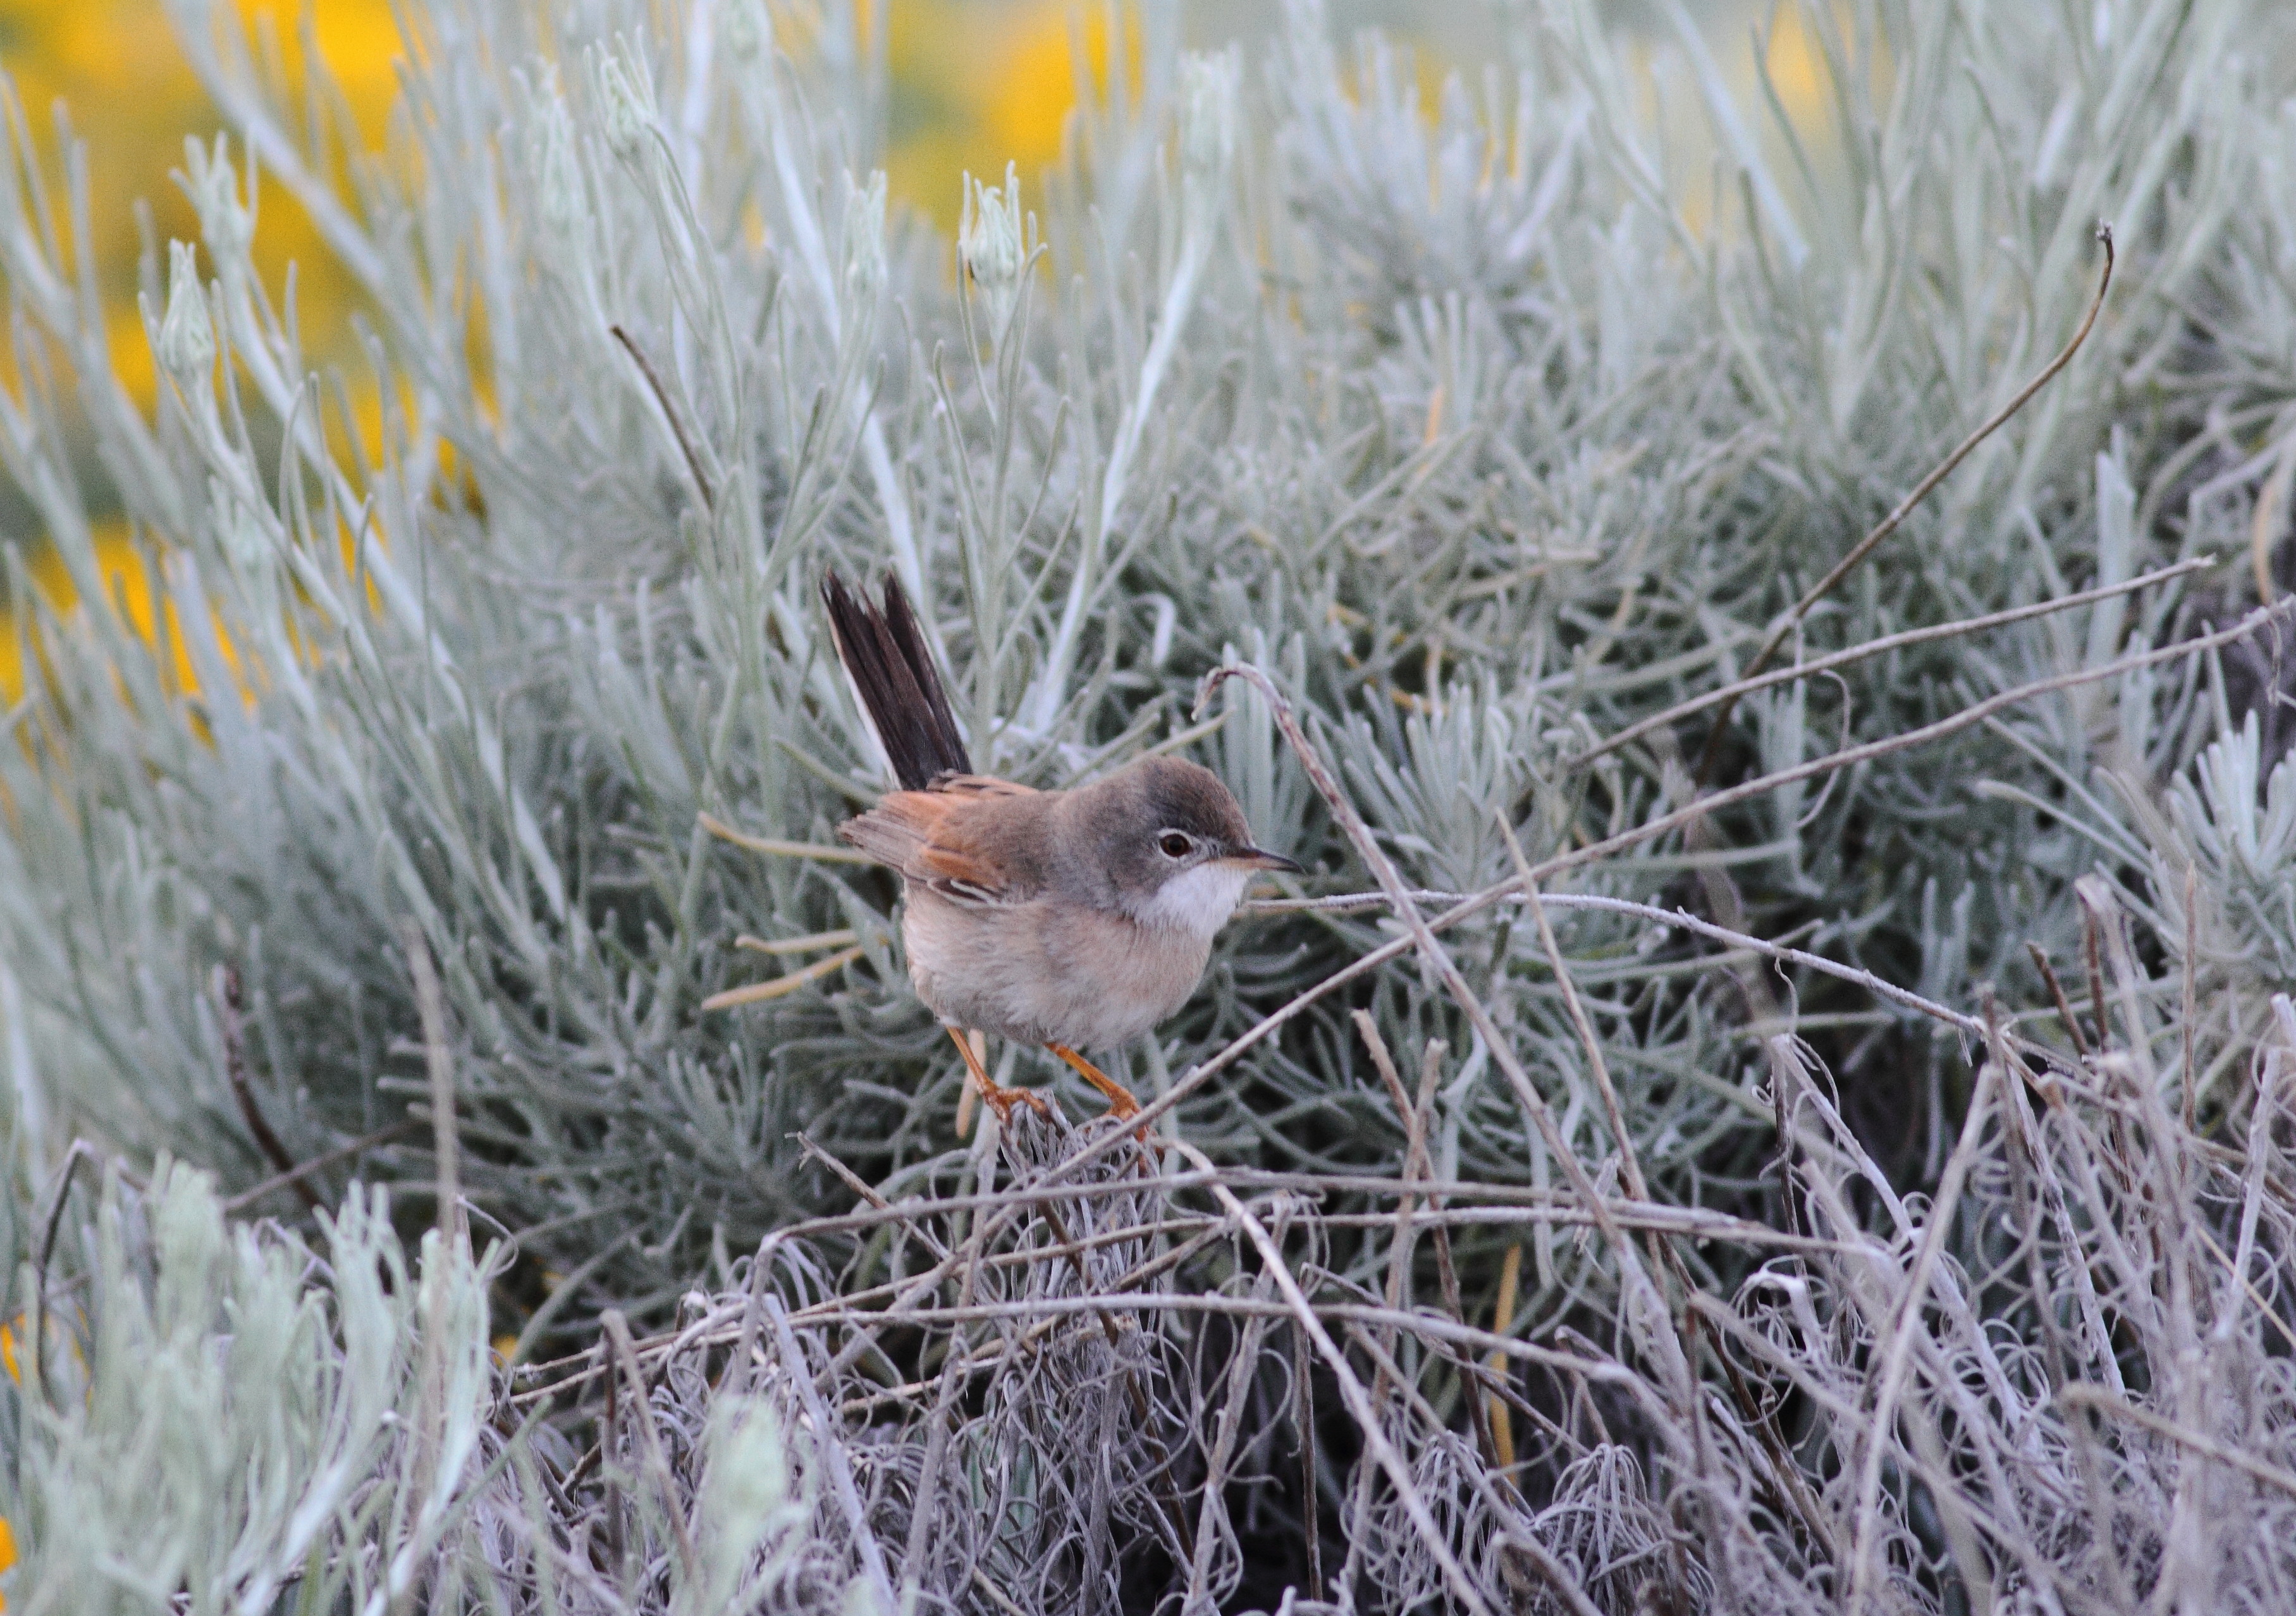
(1447, 418)
(225, 1412)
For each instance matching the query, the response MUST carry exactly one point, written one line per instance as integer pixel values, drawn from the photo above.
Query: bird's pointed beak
(1261, 858)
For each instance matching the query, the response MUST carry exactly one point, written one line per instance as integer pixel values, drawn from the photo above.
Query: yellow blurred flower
(978, 82)
(127, 582)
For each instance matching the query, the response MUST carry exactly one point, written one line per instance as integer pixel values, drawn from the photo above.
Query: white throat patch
(1197, 901)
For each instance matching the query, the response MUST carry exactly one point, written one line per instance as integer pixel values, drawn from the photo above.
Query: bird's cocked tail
(884, 654)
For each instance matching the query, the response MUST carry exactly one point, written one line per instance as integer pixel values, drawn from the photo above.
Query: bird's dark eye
(1172, 844)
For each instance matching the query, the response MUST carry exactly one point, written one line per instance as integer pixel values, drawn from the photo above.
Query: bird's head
(1169, 844)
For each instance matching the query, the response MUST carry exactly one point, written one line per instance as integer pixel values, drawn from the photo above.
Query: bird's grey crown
(1188, 797)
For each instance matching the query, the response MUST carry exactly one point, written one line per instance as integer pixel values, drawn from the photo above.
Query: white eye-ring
(1175, 844)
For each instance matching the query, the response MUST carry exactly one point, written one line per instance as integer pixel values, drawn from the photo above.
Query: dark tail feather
(884, 655)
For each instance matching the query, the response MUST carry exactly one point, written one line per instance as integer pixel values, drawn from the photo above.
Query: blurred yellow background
(116, 70)
(976, 84)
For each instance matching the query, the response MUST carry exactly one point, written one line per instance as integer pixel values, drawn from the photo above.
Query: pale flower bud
(187, 344)
(991, 234)
(1207, 97)
(558, 173)
(865, 243)
(749, 29)
(628, 105)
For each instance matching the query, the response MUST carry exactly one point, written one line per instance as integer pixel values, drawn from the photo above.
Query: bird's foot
(1121, 1104)
(993, 1095)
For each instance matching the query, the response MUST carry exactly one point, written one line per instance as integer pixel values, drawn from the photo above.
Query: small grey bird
(1075, 919)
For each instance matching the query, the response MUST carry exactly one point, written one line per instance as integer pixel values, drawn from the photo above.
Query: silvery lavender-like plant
(1836, 1161)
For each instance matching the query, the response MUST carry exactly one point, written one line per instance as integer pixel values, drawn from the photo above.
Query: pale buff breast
(1083, 977)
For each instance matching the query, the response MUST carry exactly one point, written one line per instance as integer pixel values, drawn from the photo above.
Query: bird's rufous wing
(941, 837)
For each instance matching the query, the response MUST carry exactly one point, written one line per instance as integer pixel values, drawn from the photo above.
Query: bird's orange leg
(999, 1099)
(1121, 1102)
